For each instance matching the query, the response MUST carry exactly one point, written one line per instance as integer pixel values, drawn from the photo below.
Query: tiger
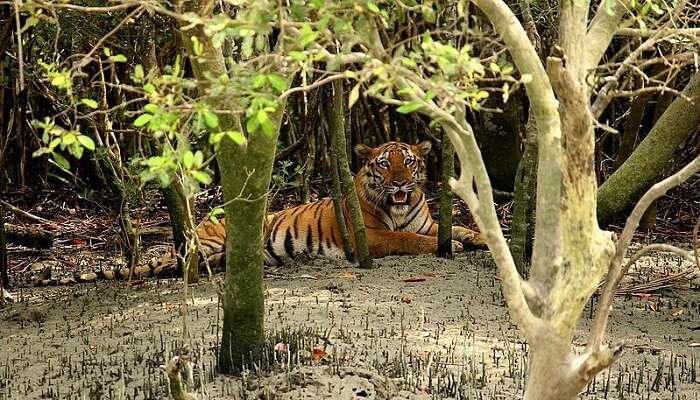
(394, 209)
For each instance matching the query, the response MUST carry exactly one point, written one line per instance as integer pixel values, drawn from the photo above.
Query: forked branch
(547, 246)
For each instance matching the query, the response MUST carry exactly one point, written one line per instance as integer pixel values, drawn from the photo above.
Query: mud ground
(413, 328)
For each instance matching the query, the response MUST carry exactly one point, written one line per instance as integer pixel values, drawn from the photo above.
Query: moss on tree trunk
(351, 200)
(243, 296)
(647, 162)
(444, 248)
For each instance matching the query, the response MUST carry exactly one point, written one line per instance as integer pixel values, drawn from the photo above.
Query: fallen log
(28, 236)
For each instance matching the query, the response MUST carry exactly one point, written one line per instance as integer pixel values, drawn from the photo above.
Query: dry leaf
(317, 354)
(415, 279)
(406, 300)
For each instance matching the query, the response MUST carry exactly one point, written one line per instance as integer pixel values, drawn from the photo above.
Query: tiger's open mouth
(399, 197)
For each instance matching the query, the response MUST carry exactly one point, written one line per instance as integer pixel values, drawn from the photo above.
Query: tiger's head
(391, 172)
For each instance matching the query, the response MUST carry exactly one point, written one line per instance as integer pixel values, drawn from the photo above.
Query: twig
(695, 243)
(20, 56)
(312, 86)
(86, 58)
(23, 213)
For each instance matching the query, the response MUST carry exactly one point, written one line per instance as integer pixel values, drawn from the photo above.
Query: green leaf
(410, 107)
(354, 95)
(59, 81)
(60, 160)
(151, 108)
(307, 35)
(149, 88)
(68, 138)
(188, 160)
(202, 177)
(258, 81)
(138, 72)
(107, 51)
(55, 142)
(210, 119)
(215, 213)
(87, 142)
(236, 136)
(252, 124)
(198, 159)
(495, 68)
(197, 46)
(119, 58)
(526, 78)
(297, 55)
(89, 102)
(40, 152)
(142, 120)
(247, 47)
(372, 7)
(76, 150)
(277, 82)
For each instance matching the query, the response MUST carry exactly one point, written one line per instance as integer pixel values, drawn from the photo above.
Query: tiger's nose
(399, 183)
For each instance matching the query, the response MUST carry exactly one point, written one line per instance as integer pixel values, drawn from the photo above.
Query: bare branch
(651, 32)
(602, 28)
(696, 250)
(315, 85)
(616, 270)
(667, 248)
(547, 246)
(604, 97)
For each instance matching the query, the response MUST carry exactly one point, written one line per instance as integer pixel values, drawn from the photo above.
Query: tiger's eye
(409, 162)
(384, 164)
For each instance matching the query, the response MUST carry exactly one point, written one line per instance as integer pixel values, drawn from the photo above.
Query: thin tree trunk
(351, 201)
(182, 222)
(444, 248)
(522, 227)
(4, 275)
(630, 131)
(338, 197)
(308, 172)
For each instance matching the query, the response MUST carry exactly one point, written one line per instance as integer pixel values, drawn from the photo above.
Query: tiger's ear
(363, 151)
(424, 148)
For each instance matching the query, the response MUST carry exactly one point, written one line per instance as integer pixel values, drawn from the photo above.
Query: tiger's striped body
(395, 212)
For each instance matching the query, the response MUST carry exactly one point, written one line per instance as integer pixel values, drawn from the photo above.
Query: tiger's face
(392, 172)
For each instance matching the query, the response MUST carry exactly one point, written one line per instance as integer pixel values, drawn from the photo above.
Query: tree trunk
(630, 131)
(243, 299)
(522, 227)
(349, 193)
(337, 188)
(246, 170)
(647, 162)
(4, 275)
(444, 248)
(182, 223)
(28, 236)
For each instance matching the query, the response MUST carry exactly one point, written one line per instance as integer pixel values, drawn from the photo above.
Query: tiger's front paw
(457, 246)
